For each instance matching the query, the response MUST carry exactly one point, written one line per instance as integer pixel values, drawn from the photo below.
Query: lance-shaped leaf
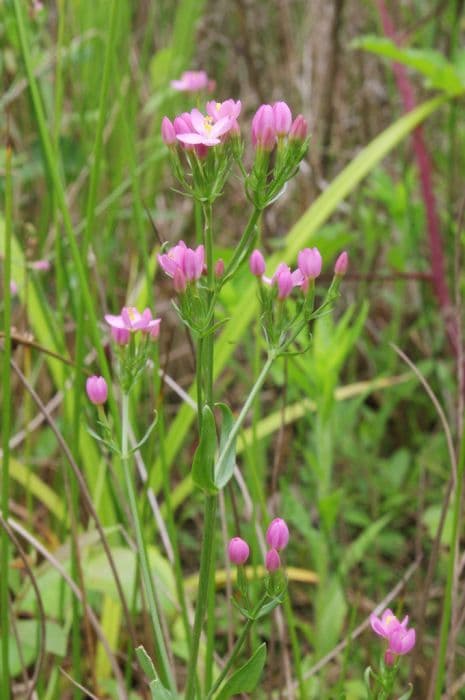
(204, 458)
(224, 467)
(246, 678)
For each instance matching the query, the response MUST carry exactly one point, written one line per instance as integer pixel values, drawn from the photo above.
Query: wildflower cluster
(283, 323)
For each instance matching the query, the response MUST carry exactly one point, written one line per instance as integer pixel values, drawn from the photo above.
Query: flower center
(208, 124)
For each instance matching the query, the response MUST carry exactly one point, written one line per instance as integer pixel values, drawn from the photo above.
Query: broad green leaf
(433, 65)
(28, 638)
(246, 678)
(159, 692)
(202, 466)
(301, 234)
(229, 459)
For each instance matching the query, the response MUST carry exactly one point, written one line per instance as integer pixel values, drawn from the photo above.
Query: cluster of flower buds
(193, 81)
(400, 639)
(273, 127)
(278, 325)
(277, 537)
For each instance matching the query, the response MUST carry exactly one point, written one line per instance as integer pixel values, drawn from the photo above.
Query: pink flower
(400, 639)
(192, 81)
(131, 320)
(263, 128)
(205, 130)
(257, 263)
(282, 118)
(277, 535)
(228, 108)
(272, 560)
(310, 262)
(188, 261)
(13, 288)
(41, 265)
(285, 280)
(97, 390)
(342, 263)
(299, 129)
(168, 132)
(238, 551)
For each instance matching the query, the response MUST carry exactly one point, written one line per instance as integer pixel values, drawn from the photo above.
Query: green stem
(242, 245)
(451, 569)
(6, 425)
(237, 647)
(295, 646)
(242, 415)
(206, 570)
(166, 675)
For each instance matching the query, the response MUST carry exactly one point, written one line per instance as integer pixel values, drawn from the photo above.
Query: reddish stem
(425, 171)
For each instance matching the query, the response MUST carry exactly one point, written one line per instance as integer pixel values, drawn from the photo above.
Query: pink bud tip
(263, 128)
(238, 551)
(310, 263)
(272, 560)
(342, 263)
(257, 263)
(13, 288)
(277, 535)
(219, 268)
(97, 390)
(299, 129)
(168, 132)
(282, 118)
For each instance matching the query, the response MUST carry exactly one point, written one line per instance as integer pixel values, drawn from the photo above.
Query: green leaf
(437, 70)
(204, 458)
(146, 663)
(246, 678)
(159, 692)
(407, 694)
(228, 459)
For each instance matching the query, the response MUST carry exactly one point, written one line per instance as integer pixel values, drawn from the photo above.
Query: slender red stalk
(424, 165)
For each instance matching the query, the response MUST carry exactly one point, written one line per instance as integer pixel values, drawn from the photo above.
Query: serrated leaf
(225, 469)
(204, 458)
(246, 678)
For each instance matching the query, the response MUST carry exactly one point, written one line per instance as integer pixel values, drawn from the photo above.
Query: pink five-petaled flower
(272, 560)
(238, 551)
(400, 639)
(205, 130)
(285, 280)
(342, 263)
(277, 535)
(257, 263)
(131, 320)
(97, 390)
(183, 264)
(193, 81)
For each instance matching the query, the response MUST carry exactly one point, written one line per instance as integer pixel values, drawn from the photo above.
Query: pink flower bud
(277, 535)
(310, 262)
(13, 288)
(97, 390)
(41, 265)
(179, 281)
(168, 132)
(284, 280)
(342, 263)
(263, 128)
(219, 268)
(282, 118)
(238, 551)
(120, 335)
(299, 129)
(257, 263)
(272, 560)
